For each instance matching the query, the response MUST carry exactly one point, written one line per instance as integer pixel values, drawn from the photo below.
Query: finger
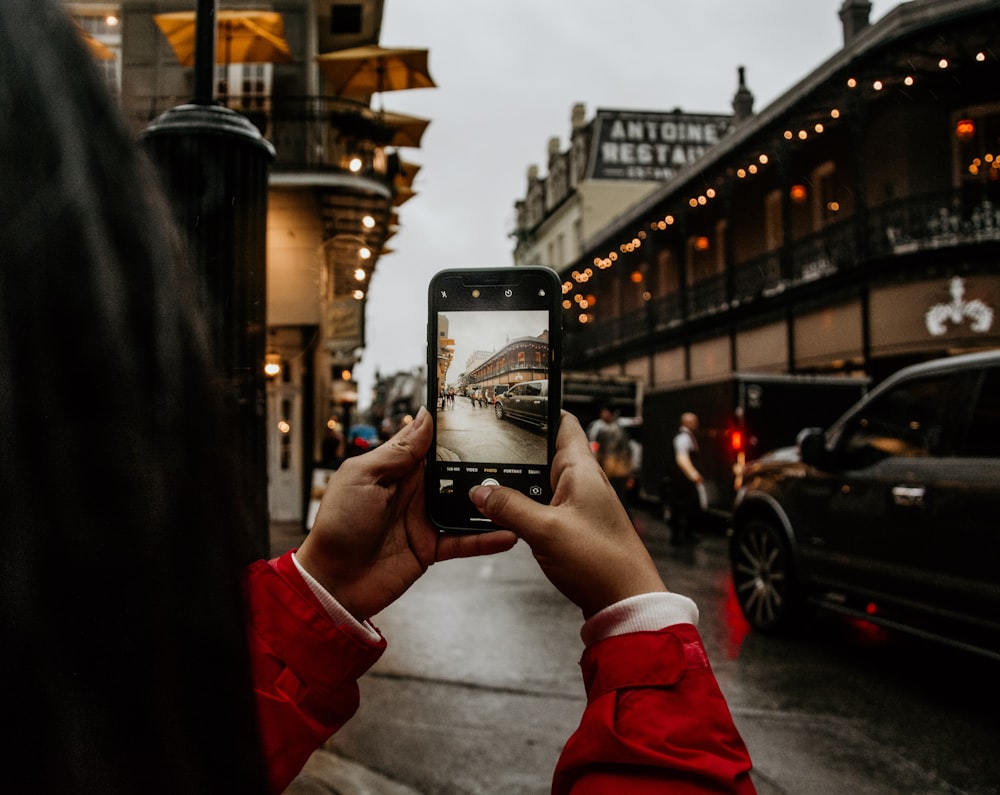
(473, 545)
(411, 508)
(572, 445)
(403, 452)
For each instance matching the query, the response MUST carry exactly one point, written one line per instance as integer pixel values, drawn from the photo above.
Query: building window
(825, 205)
(245, 86)
(720, 245)
(345, 18)
(975, 132)
(103, 34)
(668, 277)
(772, 221)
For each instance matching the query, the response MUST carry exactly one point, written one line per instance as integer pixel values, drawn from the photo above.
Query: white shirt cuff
(363, 630)
(647, 612)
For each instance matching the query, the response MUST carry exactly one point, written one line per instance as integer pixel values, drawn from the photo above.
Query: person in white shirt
(687, 491)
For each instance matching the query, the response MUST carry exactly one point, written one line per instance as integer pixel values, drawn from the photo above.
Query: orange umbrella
(372, 69)
(243, 36)
(407, 171)
(406, 130)
(381, 126)
(402, 195)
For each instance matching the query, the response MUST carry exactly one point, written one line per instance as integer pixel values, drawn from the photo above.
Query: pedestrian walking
(610, 443)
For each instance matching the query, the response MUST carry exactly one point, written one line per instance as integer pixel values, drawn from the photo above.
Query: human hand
(371, 539)
(583, 540)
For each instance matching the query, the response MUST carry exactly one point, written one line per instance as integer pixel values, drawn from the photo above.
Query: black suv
(891, 515)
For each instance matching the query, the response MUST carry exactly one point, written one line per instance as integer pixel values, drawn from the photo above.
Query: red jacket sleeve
(305, 667)
(655, 718)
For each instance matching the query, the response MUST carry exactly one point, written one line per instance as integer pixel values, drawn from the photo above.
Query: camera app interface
(492, 400)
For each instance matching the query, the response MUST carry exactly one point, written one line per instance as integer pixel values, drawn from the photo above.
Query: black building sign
(649, 146)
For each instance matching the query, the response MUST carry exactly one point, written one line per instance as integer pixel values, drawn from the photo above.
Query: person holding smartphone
(642, 646)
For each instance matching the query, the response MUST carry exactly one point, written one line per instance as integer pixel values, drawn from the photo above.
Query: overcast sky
(508, 74)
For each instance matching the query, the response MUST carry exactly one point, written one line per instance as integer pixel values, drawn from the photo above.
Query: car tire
(498, 410)
(764, 577)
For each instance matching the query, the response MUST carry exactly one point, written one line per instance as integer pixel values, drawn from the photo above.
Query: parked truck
(741, 417)
(585, 394)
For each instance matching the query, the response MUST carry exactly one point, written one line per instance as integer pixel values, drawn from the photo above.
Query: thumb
(404, 451)
(508, 508)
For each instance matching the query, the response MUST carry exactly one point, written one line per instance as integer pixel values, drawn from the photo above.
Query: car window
(532, 389)
(909, 421)
(982, 440)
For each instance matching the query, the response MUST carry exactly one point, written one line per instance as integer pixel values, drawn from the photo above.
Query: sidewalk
(327, 773)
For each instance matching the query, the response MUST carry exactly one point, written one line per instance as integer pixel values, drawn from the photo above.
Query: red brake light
(736, 441)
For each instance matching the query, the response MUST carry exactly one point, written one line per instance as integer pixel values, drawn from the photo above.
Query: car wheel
(764, 577)
(498, 410)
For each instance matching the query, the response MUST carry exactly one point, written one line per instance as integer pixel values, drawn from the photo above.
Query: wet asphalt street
(479, 689)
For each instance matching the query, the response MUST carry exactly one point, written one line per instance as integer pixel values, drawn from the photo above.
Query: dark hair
(125, 663)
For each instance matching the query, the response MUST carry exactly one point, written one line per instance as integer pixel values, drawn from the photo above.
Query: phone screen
(494, 347)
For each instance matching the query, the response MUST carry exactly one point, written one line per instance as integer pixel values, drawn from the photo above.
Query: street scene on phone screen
(487, 362)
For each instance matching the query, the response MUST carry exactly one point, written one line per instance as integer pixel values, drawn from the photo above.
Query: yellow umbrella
(406, 130)
(383, 127)
(372, 69)
(243, 36)
(407, 171)
(402, 195)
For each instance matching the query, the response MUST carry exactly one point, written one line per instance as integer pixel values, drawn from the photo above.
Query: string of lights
(579, 301)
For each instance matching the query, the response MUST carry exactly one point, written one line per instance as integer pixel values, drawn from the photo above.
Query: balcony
(890, 238)
(324, 135)
(345, 149)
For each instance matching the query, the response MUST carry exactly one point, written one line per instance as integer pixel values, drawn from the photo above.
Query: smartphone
(494, 383)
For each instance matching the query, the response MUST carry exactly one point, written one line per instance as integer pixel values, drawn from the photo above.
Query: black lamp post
(214, 164)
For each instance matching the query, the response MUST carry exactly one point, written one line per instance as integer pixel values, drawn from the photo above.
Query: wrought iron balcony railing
(892, 230)
(313, 133)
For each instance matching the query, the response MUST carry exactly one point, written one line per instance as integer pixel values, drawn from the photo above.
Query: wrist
(335, 607)
(647, 612)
